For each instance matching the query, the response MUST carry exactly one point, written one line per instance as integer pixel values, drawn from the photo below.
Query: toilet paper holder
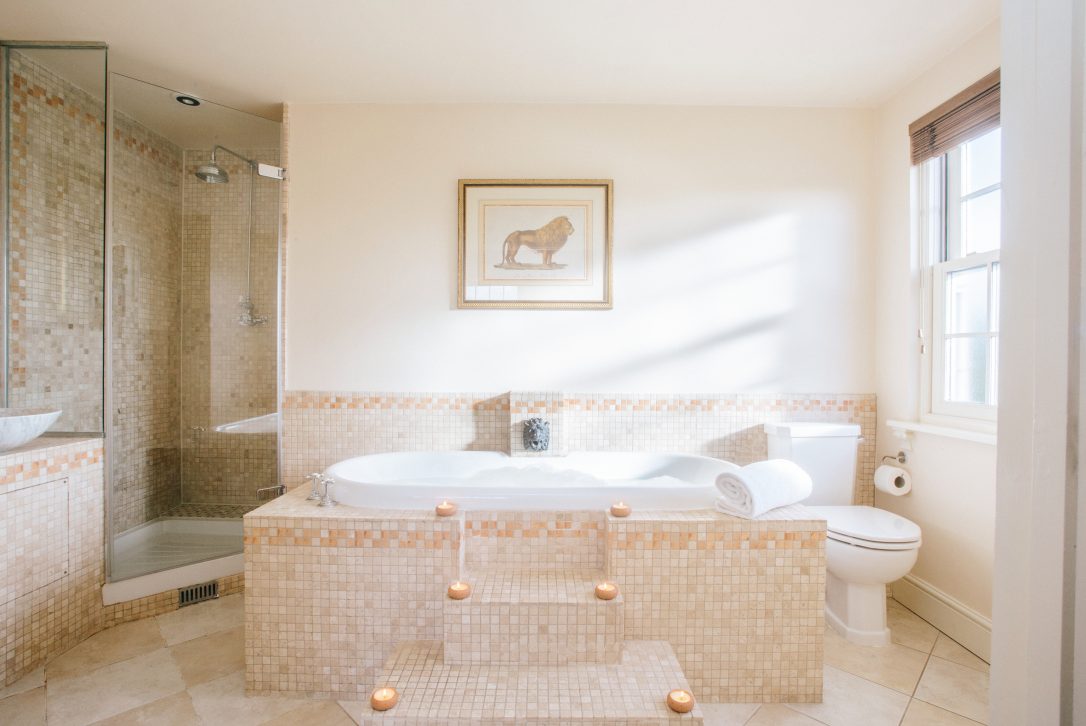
(900, 458)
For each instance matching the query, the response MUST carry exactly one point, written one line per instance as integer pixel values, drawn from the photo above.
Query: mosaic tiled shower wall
(56, 201)
(146, 320)
(229, 369)
(321, 427)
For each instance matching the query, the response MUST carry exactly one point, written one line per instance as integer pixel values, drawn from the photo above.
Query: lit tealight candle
(445, 509)
(620, 509)
(459, 590)
(680, 701)
(383, 699)
(606, 591)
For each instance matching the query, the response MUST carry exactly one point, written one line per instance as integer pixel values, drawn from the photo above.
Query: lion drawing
(546, 240)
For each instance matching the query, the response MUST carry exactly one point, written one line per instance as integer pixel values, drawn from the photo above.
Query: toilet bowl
(866, 548)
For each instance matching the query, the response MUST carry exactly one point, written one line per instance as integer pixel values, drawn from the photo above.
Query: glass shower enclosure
(193, 340)
(141, 293)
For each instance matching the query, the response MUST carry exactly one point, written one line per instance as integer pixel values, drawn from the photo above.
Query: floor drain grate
(197, 593)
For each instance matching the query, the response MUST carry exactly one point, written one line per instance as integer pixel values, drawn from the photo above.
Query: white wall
(742, 249)
(953, 498)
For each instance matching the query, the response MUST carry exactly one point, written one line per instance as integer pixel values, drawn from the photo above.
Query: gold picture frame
(541, 244)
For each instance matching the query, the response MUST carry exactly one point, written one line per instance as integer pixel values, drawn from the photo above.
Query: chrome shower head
(212, 173)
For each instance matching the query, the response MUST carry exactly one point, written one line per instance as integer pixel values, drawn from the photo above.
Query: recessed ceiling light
(187, 100)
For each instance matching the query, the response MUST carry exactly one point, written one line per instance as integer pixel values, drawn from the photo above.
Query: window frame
(937, 215)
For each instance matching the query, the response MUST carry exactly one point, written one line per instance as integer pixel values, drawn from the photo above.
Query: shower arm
(267, 170)
(217, 147)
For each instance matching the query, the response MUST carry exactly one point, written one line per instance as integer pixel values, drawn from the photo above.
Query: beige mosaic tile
(146, 304)
(538, 617)
(56, 245)
(331, 593)
(229, 370)
(433, 692)
(534, 540)
(48, 612)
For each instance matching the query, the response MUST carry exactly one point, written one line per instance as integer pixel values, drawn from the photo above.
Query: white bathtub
(489, 480)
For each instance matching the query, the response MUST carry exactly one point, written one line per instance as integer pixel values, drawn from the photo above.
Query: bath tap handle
(315, 486)
(326, 500)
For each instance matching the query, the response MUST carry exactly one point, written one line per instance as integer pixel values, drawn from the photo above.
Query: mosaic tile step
(534, 617)
(433, 692)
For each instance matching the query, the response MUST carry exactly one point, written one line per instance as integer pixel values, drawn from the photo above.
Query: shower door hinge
(272, 172)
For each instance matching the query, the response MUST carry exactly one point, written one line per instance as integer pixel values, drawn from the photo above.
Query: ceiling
(254, 54)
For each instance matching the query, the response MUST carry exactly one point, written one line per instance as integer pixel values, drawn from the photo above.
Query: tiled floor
(187, 667)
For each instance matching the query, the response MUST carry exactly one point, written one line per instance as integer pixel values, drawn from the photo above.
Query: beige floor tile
(322, 713)
(727, 714)
(948, 649)
(849, 700)
(909, 629)
(175, 710)
(353, 709)
(109, 646)
(894, 666)
(213, 656)
(924, 714)
(196, 621)
(955, 688)
(774, 714)
(33, 679)
(113, 689)
(25, 709)
(223, 701)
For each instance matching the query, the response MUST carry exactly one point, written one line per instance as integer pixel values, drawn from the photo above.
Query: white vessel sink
(20, 425)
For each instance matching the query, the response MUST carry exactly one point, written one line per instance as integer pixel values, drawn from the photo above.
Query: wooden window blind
(969, 114)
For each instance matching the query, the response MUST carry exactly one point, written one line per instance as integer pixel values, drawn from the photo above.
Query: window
(957, 183)
(960, 231)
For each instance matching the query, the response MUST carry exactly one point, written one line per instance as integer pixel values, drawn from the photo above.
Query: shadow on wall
(723, 299)
(489, 416)
(742, 446)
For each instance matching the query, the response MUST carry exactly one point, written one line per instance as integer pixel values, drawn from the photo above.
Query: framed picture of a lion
(535, 243)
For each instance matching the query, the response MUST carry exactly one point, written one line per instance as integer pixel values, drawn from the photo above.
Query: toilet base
(857, 612)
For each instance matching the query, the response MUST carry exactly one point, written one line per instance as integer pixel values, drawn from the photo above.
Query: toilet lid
(868, 524)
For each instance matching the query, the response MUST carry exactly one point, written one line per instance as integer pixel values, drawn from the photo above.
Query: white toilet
(866, 548)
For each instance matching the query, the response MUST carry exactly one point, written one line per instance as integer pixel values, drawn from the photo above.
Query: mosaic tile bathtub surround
(332, 594)
(321, 428)
(50, 581)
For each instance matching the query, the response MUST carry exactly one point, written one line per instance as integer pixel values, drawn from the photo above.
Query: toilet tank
(826, 451)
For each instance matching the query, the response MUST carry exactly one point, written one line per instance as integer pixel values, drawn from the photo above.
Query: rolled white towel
(755, 489)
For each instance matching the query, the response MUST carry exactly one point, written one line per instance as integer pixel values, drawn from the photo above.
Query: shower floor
(173, 541)
(195, 510)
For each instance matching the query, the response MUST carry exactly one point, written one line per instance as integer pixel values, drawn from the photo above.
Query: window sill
(903, 430)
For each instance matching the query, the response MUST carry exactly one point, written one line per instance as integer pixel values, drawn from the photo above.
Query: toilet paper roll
(893, 480)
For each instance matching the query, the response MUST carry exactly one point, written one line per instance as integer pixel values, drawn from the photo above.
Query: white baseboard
(952, 616)
(144, 585)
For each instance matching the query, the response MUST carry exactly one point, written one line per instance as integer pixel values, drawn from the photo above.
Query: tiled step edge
(433, 692)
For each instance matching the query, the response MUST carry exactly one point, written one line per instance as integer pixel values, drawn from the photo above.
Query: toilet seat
(868, 527)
